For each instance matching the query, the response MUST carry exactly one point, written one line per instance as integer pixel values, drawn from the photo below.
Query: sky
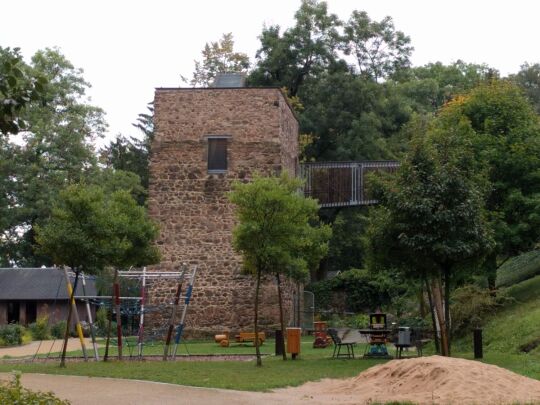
(128, 48)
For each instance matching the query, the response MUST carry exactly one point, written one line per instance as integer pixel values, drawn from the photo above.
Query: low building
(29, 293)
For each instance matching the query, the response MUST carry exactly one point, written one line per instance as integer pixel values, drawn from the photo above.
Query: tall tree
(528, 78)
(57, 150)
(274, 234)
(18, 88)
(380, 50)
(431, 224)
(310, 46)
(505, 132)
(430, 86)
(218, 57)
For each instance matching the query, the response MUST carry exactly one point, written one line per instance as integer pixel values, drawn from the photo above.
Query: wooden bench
(244, 337)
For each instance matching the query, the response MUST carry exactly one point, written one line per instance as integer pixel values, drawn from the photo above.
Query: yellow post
(76, 313)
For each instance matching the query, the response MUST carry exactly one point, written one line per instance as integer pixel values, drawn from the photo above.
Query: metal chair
(338, 342)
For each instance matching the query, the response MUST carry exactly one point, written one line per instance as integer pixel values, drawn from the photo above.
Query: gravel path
(97, 390)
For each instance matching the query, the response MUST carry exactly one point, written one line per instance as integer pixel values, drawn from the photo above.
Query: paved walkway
(46, 345)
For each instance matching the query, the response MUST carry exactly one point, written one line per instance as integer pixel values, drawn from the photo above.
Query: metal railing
(341, 184)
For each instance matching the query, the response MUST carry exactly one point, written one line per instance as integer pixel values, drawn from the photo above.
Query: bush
(58, 329)
(471, 305)
(355, 291)
(11, 335)
(40, 329)
(101, 321)
(13, 393)
(519, 268)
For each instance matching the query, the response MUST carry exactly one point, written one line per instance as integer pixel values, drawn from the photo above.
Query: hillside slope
(514, 326)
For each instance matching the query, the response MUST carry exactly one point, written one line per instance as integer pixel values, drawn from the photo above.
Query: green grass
(519, 268)
(514, 325)
(313, 364)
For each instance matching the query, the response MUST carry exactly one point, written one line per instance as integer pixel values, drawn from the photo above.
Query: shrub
(355, 291)
(471, 305)
(101, 320)
(11, 335)
(13, 393)
(58, 329)
(40, 329)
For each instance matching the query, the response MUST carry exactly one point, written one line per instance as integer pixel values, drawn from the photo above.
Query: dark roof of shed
(38, 284)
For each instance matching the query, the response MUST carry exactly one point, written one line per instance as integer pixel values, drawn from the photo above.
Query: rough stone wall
(191, 205)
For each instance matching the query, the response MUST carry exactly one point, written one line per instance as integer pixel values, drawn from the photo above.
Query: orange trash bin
(293, 341)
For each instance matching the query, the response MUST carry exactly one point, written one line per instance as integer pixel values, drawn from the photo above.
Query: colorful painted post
(172, 320)
(180, 328)
(78, 327)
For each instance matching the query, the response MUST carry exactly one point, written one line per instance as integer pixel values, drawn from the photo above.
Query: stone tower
(205, 138)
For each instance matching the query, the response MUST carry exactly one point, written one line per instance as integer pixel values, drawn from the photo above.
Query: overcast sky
(127, 48)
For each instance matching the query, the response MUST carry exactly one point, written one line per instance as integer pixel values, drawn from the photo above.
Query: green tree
(132, 154)
(505, 132)
(429, 87)
(218, 57)
(18, 87)
(309, 47)
(57, 149)
(90, 230)
(528, 78)
(274, 233)
(431, 224)
(379, 49)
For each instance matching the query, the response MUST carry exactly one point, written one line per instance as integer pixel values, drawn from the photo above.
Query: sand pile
(426, 380)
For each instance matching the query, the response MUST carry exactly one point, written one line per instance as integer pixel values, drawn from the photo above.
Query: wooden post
(70, 310)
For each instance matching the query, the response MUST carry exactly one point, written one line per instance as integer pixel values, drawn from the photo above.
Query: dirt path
(96, 390)
(45, 347)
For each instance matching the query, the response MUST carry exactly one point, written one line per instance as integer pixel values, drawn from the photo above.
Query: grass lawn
(313, 364)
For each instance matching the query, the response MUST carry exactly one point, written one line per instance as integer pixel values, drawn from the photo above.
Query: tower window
(217, 154)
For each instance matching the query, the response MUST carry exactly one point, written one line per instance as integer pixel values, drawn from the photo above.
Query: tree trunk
(281, 318)
(447, 308)
(70, 311)
(433, 318)
(437, 294)
(421, 302)
(491, 270)
(256, 320)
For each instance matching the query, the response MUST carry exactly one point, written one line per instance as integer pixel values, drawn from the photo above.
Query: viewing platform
(341, 184)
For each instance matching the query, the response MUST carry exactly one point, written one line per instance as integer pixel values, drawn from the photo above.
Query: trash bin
(404, 336)
(293, 341)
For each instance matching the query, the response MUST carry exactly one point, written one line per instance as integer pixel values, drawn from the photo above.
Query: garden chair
(339, 341)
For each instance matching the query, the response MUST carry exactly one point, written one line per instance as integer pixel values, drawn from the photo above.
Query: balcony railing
(341, 184)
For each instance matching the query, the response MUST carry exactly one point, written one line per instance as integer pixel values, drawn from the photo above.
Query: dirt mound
(427, 380)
